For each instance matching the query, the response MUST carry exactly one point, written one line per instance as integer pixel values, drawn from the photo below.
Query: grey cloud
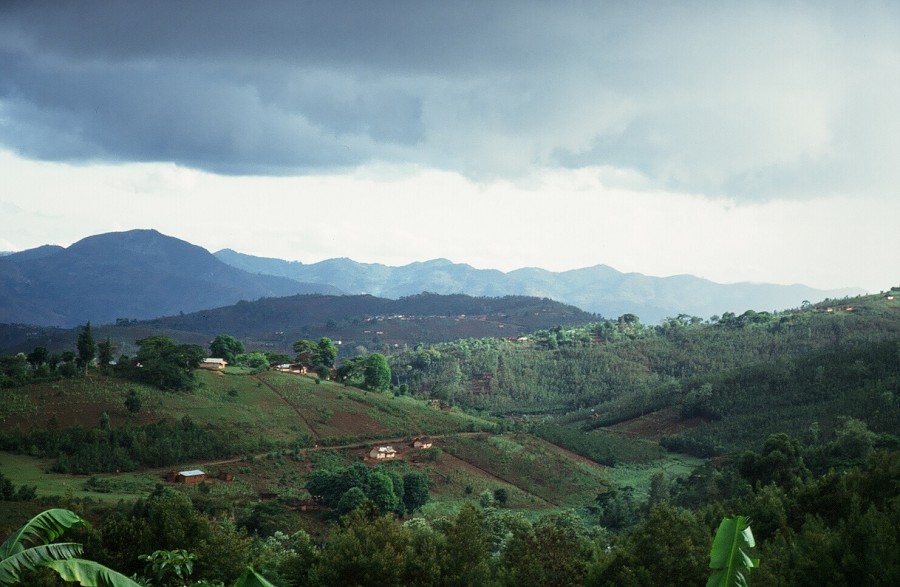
(744, 102)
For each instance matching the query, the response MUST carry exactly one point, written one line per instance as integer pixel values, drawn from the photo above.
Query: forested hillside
(723, 384)
(363, 323)
(605, 453)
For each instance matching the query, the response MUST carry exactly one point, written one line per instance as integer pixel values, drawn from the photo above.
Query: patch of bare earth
(656, 425)
(350, 424)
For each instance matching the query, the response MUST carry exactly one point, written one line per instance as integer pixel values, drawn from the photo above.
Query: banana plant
(33, 546)
(728, 557)
(251, 578)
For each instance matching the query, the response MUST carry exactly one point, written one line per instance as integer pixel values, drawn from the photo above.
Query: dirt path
(360, 444)
(292, 406)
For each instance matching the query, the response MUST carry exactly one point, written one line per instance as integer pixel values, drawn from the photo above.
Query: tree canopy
(377, 372)
(226, 347)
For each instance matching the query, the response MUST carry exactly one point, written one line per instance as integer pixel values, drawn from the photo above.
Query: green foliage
(96, 450)
(728, 557)
(165, 364)
(39, 356)
(105, 353)
(352, 499)
(89, 573)
(367, 549)
(87, 348)
(600, 446)
(133, 402)
(554, 551)
(467, 552)
(32, 546)
(169, 566)
(226, 347)
(667, 548)
(377, 372)
(318, 356)
(8, 491)
(346, 488)
(285, 558)
(415, 491)
(781, 462)
(256, 362)
(251, 578)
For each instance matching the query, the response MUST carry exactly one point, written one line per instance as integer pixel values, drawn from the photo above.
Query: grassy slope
(280, 408)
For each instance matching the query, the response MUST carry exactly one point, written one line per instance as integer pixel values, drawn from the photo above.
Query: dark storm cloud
(745, 101)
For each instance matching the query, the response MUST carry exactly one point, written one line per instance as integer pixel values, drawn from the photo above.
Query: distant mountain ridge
(135, 274)
(600, 289)
(142, 274)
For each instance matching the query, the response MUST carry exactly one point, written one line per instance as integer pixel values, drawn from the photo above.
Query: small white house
(422, 443)
(382, 452)
(213, 363)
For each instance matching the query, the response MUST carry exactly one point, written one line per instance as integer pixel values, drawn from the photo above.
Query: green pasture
(25, 470)
(335, 411)
(637, 475)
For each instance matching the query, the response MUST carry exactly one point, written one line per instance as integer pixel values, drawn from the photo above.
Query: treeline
(389, 489)
(104, 449)
(160, 361)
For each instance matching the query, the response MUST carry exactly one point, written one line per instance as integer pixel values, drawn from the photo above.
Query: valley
(540, 420)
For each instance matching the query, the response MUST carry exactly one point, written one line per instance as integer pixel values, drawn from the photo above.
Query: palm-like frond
(44, 528)
(30, 558)
(728, 557)
(90, 574)
(250, 578)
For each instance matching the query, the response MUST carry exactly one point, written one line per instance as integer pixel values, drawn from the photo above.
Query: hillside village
(613, 426)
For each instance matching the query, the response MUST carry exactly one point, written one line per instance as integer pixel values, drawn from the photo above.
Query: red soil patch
(349, 424)
(656, 425)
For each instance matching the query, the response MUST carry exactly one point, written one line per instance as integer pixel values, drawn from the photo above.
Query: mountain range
(143, 274)
(599, 289)
(134, 274)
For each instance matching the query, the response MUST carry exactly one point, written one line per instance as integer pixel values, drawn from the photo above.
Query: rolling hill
(599, 289)
(362, 320)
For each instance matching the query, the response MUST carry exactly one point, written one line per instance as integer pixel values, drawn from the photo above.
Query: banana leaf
(728, 557)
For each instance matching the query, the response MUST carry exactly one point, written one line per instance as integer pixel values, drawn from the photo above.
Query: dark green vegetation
(363, 324)
(579, 455)
(702, 387)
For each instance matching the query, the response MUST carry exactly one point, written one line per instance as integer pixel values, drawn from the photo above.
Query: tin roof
(191, 473)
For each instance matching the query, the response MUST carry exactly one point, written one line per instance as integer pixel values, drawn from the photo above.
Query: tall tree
(377, 372)
(166, 364)
(105, 352)
(39, 356)
(415, 490)
(226, 347)
(326, 353)
(467, 553)
(87, 348)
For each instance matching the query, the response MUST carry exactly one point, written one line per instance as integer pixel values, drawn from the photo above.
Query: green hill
(720, 386)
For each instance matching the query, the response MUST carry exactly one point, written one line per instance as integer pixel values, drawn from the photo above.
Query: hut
(191, 477)
(382, 452)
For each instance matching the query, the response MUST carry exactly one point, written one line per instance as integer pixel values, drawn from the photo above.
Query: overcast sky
(734, 141)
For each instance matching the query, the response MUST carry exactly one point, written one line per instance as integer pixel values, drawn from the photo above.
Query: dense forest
(732, 380)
